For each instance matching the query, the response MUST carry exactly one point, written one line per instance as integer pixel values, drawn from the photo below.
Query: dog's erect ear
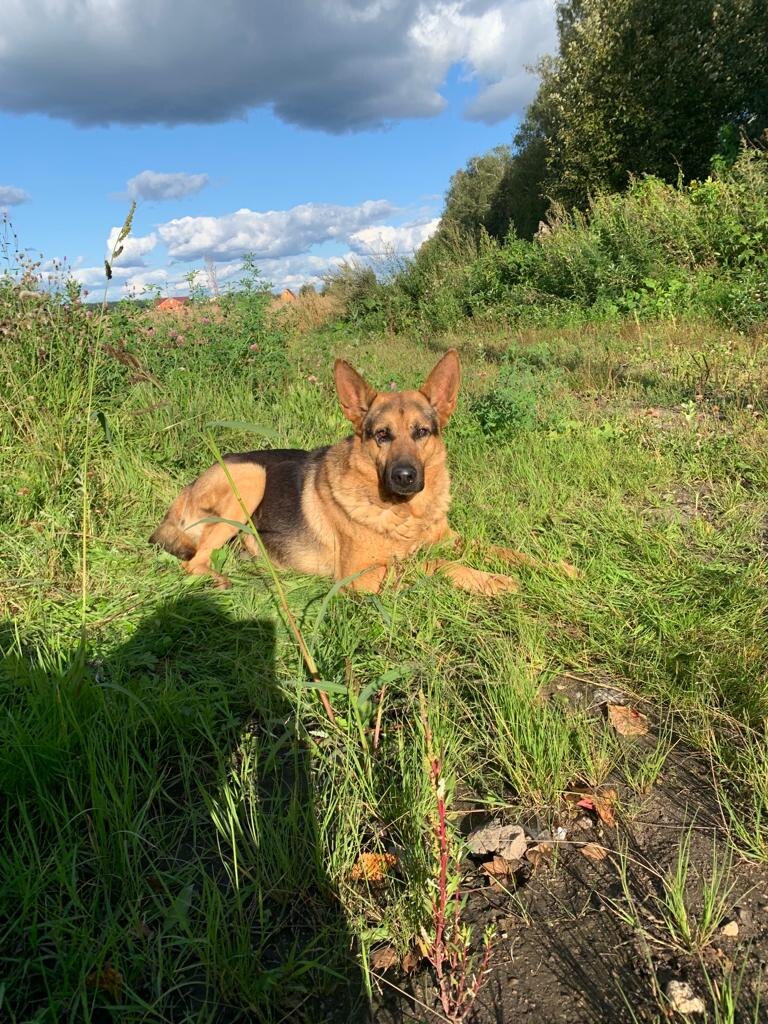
(441, 387)
(355, 394)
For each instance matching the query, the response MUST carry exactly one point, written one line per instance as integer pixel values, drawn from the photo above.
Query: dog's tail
(171, 534)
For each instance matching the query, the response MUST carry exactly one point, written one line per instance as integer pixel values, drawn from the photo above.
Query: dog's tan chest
(347, 526)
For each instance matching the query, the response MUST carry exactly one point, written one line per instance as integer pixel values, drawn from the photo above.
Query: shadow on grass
(161, 857)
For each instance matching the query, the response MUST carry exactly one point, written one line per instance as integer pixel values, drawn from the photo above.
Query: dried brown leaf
(497, 867)
(108, 979)
(384, 958)
(601, 801)
(577, 793)
(410, 962)
(540, 854)
(627, 721)
(604, 802)
(593, 851)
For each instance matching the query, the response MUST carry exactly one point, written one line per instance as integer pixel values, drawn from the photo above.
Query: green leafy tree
(472, 191)
(638, 87)
(520, 201)
(646, 87)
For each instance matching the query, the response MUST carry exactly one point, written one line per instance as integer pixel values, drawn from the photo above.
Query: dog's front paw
(514, 557)
(205, 569)
(488, 583)
(475, 581)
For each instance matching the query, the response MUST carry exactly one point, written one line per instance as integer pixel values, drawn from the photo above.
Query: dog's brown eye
(421, 432)
(382, 436)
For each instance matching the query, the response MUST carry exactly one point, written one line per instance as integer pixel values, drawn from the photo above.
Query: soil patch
(567, 951)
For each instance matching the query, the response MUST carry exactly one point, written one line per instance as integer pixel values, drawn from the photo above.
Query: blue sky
(348, 137)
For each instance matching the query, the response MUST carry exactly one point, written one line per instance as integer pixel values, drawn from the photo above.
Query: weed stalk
(306, 654)
(449, 947)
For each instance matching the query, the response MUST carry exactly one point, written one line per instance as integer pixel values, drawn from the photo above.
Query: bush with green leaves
(509, 407)
(233, 336)
(656, 251)
(359, 292)
(636, 87)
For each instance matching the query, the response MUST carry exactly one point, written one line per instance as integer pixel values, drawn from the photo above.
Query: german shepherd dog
(351, 509)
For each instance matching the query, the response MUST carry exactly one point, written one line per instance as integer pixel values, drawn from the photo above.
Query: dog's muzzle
(405, 478)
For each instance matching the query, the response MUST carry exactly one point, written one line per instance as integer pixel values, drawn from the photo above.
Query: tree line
(637, 87)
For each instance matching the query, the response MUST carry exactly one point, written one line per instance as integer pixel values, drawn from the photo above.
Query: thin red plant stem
(455, 992)
(443, 879)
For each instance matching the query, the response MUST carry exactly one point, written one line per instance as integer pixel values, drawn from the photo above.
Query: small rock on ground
(683, 999)
(508, 841)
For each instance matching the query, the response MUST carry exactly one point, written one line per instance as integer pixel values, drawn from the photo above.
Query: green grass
(176, 805)
(679, 926)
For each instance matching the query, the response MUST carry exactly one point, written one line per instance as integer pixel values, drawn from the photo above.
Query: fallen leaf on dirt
(384, 958)
(593, 851)
(507, 840)
(372, 867)
(108, 979)
(714, 958)
(626, 721)
(604, 800)
(497, 867)
(601, 800)
(410, 962)
(540, 854)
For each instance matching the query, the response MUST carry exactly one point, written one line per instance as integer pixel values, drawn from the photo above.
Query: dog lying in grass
(351, 509)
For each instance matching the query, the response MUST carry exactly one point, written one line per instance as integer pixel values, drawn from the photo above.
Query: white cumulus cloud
(295, 271)
(135, 248)
(269, 234)
(136, 283)
(95, 277)
(156, 185)
(389, 239)
(336, 65)
(495, 43)
(11, 196)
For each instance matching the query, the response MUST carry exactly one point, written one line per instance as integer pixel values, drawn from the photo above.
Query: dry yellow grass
(308, 311)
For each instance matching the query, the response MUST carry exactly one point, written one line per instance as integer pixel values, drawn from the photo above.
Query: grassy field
(182, 823)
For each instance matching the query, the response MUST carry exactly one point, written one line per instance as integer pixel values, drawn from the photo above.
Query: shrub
(357, 290)
(510, 406)
(654, 251)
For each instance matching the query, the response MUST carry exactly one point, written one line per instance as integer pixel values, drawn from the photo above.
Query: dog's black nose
(404, 478)
(403, 475)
